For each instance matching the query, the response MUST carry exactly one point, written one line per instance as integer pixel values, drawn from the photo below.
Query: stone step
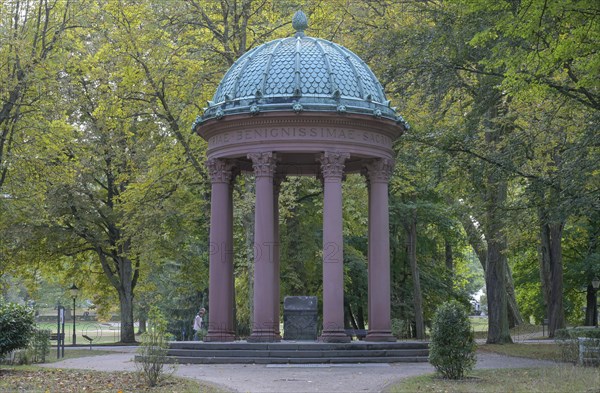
(242, 345)
(301, 354)
(297, 353)
(294, 352)
(295, 360)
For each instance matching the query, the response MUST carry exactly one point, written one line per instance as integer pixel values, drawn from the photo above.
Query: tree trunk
(449, 261)
(449, 258)
(127, 330)
(496, 269)
(350, 318)
(124, 283)
(556, 311)
(544, 260)
(514, 316)
(477, 242)
(361, 318)
(142, 325)
(551, 270)
(498, 327)
(591, 314)
(591, 306)
(126, 301)
(411, 232)
(475, 238)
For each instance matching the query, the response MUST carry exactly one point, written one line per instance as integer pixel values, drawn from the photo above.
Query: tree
(453, 80)
(488, 72)
(31, 33)
(99, 177)
(109, 146)
(546, 52)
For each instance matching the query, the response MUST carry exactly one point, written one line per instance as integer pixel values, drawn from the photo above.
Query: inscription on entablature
(300, 133)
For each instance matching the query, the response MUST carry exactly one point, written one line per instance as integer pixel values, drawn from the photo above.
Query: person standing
(198, 323)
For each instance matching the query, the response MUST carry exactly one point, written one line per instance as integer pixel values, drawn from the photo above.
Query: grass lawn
(479, 324)
(560, 378)
(74, 353)
(568, 379)
(549, 351)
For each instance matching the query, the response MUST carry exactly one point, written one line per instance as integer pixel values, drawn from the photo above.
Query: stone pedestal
(300, 318)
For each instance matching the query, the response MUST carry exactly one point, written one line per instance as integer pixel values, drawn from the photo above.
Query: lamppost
(74, 292)
(596, 285)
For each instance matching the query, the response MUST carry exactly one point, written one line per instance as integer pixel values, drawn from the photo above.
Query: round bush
(452, 347)
(16, 327)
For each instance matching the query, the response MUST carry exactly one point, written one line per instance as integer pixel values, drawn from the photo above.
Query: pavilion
(298, 106)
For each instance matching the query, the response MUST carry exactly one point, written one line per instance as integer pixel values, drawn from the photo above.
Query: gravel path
(295, 378)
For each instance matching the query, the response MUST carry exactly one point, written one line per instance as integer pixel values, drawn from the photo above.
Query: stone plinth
(300, 318)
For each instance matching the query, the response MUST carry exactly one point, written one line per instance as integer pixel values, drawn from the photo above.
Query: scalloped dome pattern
(299, 73)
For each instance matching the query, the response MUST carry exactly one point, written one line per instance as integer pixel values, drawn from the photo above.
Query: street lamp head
(596, 282)
(74, 291)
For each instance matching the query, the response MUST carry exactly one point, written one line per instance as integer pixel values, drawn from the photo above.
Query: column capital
(332, 164)
(220, 170)
(263, 163)
(380, 170)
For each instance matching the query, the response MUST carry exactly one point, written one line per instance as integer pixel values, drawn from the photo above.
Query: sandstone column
(332, 168)
(265, 326)
(379, 173)
(220, 303)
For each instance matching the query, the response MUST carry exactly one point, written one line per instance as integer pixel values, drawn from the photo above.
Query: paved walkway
(294, 378)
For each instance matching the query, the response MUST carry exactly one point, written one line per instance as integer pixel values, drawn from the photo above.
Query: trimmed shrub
(16, 327)
(452, 347)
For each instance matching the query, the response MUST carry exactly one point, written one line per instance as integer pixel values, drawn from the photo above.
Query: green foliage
(400, 328)
(356, 285)
(35, 352)
(40, 345)
(16, 327)
(152, 353)
(452, 347)
(93, 156)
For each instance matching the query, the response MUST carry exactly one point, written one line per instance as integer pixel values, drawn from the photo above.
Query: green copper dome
(299, 74)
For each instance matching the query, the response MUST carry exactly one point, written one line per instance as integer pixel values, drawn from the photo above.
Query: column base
(264, 336)
(380, 336)
(219, 336)
(335, 336)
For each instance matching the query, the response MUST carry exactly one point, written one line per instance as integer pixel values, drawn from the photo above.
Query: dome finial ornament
(300, 23)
